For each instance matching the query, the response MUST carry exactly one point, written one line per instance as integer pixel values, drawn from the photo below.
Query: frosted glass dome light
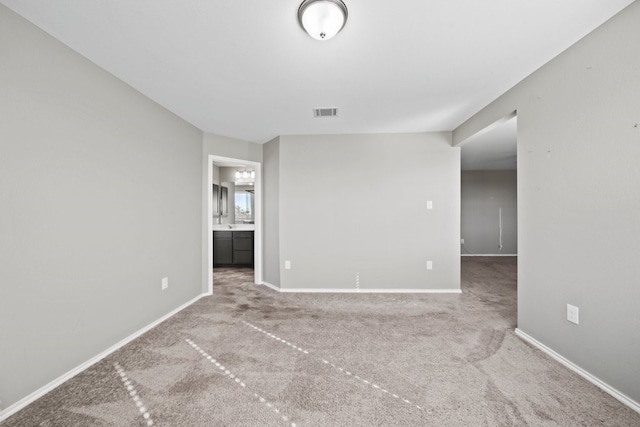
(322, 19)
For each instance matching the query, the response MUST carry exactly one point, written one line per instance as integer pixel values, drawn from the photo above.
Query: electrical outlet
(573, 314)
(287, 265)
(429, 265)
(429, 204)
(462, 241)
(165, 283)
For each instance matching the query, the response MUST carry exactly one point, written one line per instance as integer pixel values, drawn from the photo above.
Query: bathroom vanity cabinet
(232, 248)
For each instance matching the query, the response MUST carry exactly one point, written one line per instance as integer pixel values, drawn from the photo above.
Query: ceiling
(245, 69)
(492, 149)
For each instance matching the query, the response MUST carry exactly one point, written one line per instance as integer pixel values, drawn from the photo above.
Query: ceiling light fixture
(322, 19)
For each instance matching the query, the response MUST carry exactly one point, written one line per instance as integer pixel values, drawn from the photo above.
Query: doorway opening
(489, 190)
(234, 218)
(489, 211)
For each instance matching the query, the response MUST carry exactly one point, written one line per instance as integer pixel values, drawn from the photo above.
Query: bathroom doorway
(234, 216)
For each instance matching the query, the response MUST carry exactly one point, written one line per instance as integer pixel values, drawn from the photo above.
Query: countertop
(232, 227)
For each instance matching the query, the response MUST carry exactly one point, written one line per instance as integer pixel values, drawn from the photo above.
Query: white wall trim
(578, 370)
(488, 254)
(6, 413)
(362, 291)
(269, 285)
(372, 291)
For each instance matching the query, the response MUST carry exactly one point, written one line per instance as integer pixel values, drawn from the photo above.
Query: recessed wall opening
(489, 214)
(234, 218)
(489, 200)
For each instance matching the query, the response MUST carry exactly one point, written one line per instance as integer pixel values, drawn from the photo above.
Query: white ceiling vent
(325, 112)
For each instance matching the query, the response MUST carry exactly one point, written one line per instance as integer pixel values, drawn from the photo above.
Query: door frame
(257, 237)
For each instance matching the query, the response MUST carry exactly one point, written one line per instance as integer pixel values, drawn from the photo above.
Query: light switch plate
(573, 314)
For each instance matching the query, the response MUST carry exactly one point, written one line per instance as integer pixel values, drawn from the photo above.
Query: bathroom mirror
(244, 199)
(220, 197)
(216, 200)
(224, 200)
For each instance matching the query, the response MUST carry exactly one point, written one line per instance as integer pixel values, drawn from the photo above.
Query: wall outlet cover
(287, 265)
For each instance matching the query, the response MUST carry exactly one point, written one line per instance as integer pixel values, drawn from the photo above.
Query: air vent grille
(325, 112)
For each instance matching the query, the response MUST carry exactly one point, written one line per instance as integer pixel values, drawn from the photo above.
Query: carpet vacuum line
(133, 394)
(237, 380)
(399, 301)
(340, 369)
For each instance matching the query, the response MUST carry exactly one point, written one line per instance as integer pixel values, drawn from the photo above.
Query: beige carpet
(249, 356)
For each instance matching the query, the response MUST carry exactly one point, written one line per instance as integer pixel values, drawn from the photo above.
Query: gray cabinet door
(222, 248)
(243, 258)
(232, 248)
(243, 248)
(242, 244)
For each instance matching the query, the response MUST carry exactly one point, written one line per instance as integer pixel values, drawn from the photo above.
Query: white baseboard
(578, 370)
(6, 413)
(370, 291)
(269, 285)
(488, 254)
(362, 291)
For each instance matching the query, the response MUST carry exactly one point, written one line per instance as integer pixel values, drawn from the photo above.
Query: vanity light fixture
(245, 174)
(322, 19)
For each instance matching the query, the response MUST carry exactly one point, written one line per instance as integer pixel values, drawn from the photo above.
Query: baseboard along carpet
(249, 356)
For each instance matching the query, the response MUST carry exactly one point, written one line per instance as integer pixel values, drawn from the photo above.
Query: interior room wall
(578, 200)
(484, 193)
(100, 191)
(353, 211)
(215, 170)
(271, 203)
(224, 146)
(228, 174)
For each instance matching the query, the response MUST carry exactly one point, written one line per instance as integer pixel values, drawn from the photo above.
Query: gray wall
(271, 203)
(224, 146)
(100, 194)
(579, 200)
(340, 202)
(483, 194)
(228, 174)
(215, 174)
